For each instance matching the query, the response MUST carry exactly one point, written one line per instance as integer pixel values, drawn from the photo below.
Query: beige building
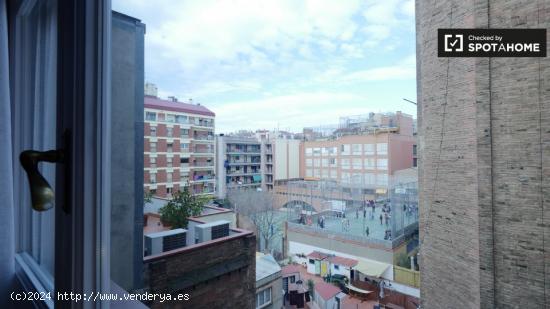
(360, 156)
(280, 160)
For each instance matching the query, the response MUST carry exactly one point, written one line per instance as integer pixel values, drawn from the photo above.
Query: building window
(263, 298)
(184, 147)
(168, 177)
(309, 162)
(309, 151)
(309, 172)
(414, 150)
(292, 279)
(311, 261)
(336, 266)
(356, 149)
(415, 162)
(169, 132)
(316, 162)
(169, 147)
(181, 119)
(170, 118)
(357, 163)
(153, 178)
(316, 151)
(345, 149)
(345, 163)
(168, 162)
(332, 161)
(150, 116)
(153, 162)
(153, 146)
(153, 131)
(369, 178)
(369, 149)
(184, 177)
(168, 190)
(382, 148)
(382, 179)
(184, 133)
(382, 164)
(369, 163)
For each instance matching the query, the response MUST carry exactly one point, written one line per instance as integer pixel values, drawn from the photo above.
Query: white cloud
(279, 52)
(289, 111)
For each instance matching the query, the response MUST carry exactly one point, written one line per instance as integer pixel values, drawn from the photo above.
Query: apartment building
(238, 163)
(361, 153)
(178, 147)
(280, 160)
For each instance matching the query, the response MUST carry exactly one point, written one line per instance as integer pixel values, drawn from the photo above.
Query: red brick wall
(231, 289)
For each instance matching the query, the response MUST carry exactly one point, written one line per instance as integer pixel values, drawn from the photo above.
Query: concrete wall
(127, 156)
(286, 157)
(484, 162)
(305, 244)
(276, 292)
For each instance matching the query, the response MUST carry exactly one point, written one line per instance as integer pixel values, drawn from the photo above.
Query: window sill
(33, 279)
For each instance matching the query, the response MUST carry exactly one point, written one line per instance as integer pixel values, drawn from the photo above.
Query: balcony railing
(202, 164)
(203, 137)
(237, 150)
(202, 150)
(235, 172)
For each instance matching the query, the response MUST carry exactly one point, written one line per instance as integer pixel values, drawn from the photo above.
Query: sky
(283, 64)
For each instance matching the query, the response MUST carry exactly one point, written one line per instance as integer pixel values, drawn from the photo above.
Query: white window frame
(269, 291)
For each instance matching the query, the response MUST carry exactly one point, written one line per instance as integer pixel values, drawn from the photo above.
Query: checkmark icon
(453, 43)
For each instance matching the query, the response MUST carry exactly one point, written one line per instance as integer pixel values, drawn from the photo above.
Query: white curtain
(7, 249)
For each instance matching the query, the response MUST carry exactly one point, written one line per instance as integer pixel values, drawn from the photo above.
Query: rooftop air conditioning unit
(159, 242)
(210, 231)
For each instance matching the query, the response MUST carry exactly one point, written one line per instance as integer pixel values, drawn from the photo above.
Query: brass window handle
(42, 195)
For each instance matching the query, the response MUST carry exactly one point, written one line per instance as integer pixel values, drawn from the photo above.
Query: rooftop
(291, 269)
(157, 103)
(265, 266)
(326, 290)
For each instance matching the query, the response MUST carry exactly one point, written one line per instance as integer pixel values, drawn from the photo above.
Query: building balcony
(202, 152)
(243, 151)
(241, 173)
(202, 180)
(203, 139)
(202, 165)
(203, 126)
(244, 162)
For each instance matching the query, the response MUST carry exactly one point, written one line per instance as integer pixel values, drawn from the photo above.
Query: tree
(182, 206)
(258, 206)
(147, 197)
(311, 286)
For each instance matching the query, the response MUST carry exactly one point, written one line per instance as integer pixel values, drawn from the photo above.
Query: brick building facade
(218, 274)
(178, 147)
(484, 161)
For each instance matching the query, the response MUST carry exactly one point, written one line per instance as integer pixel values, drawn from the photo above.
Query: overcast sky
(287, 64)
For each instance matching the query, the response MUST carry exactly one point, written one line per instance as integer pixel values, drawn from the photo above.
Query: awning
(358, 290)
(257, 178)
(371, 268)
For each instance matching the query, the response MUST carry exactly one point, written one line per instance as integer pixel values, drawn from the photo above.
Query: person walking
(381, 218)
(367, 231)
